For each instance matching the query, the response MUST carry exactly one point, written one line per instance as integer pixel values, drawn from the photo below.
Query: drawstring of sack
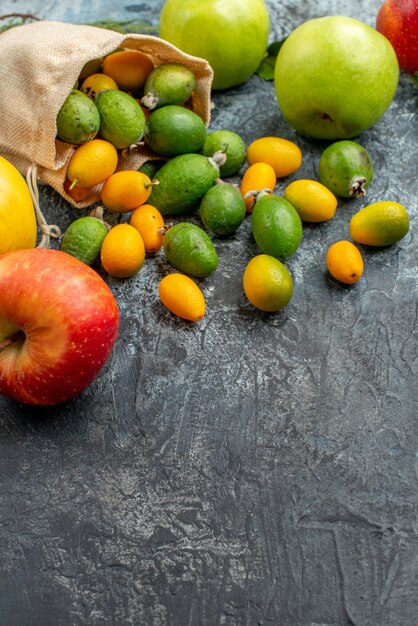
(47, 230)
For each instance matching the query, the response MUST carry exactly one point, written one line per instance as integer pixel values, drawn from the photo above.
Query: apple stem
(18, 336)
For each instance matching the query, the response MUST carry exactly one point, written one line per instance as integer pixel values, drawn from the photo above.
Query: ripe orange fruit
(150, 224)
(96, 83)
(180, 294)
(123, 251)
(77, 193)
(125, 191)
(257, 177)
(313, 201)
(91, 163)
(344, 262)
(380, 224)
(129, 68)
(283, 155)
(267, 283)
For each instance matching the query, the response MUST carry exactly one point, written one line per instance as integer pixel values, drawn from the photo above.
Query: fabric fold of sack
(44, 60)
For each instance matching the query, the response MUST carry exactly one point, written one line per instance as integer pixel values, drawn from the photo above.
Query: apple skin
(335, 77)
(398, 21)
(62, 321)
(230, 34)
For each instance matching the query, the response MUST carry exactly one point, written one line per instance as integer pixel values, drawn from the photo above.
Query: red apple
(58, 324)
(397, 20)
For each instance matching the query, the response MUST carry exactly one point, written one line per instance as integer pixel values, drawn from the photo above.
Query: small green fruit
(78, 120)
(151, 167)
(174, 130)
(170, 83)
(190, 250)
(230, 143)
(182, 182)
(122, 121)
(222, 209)
(346, 168)
(276, 225)
(83, 239)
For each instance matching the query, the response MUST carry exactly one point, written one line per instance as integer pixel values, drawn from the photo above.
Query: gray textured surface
(250, 469)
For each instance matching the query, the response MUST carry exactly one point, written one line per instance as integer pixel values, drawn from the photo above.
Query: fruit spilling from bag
(126, 104)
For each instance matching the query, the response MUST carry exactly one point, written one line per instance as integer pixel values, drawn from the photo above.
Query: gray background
(249, 469)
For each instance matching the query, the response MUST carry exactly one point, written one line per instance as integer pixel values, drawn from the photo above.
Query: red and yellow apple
(58, 325)
(398, 21)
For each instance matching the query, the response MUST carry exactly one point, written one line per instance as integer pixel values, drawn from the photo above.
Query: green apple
(335, 77)
(230, 34)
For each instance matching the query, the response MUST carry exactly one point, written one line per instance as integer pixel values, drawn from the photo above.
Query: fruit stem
(74, 183)
(149, 101)
(357, 188)
(97, 213)
(257, 193)
(132, 148)
(153, 183)
(17, 336)
(165, 228)
(218, 159)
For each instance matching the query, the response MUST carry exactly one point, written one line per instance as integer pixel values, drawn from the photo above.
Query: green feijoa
(174, 130)
(83, 239)
(183, 181)
(122, 121)
(151, 167)
(78, 119)
(276, 226)
(229, 142)
(346, 168)
(222, 209)
(170, 83)
(190, 250)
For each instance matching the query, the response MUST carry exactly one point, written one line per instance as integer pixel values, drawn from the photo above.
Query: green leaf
(275, 46)
(266, 68)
